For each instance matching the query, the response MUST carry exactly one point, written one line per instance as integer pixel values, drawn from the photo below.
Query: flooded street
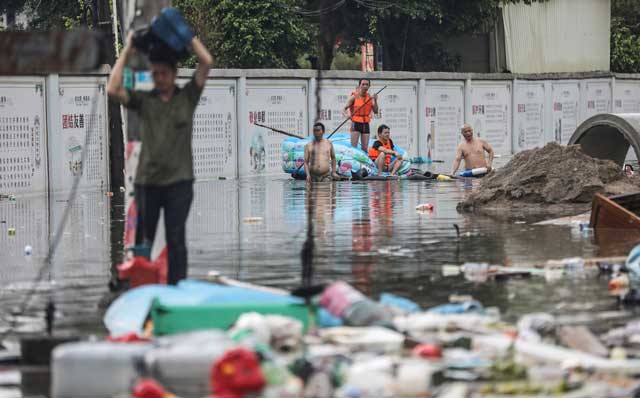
(366, 233)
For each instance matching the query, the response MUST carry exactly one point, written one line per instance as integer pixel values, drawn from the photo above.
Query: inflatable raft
(350, 161)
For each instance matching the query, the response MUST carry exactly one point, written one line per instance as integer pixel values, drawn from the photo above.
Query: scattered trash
(11, 231)
(450, 270)
(253, 220)
(424, 206)
(429, 351)
(109, 194)
(122, 189)
(149, 388)
(388, 348)
(476, 272)
(28, 250)
(442, 177)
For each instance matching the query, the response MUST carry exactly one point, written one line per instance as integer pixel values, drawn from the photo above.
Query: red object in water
(236, 374)
(141, 271)
(424, 206)
(127, 338)
(429, 351)
(149, 388)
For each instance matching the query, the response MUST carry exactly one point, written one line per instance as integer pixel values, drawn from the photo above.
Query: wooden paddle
(279, 131)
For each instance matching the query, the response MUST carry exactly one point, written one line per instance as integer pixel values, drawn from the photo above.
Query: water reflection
(79, 273)
(368, 234)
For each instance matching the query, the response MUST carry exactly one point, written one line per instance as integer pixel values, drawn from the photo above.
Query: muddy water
(366, 233)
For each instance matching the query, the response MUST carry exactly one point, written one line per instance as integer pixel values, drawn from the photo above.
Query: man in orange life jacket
(383, 152)
(359, 108)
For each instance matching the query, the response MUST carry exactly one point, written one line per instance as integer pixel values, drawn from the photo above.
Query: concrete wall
(41, 138)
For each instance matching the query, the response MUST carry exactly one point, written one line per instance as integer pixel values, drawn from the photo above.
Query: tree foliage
(51, 14)
(625, 36)
(249, 34)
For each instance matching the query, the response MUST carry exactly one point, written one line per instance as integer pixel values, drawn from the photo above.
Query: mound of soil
(554, 179)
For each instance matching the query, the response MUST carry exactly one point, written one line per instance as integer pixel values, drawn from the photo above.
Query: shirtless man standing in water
(472, 150)
(319, 157)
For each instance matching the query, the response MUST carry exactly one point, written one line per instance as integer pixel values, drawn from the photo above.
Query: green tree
(412, 32)
(625, 36)
(249, 34)
(51, 14)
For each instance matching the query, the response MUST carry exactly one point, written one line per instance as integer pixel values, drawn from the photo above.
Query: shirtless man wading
(472, 150)
(319, 157)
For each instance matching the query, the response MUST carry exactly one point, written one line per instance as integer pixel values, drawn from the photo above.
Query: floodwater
(366, 233)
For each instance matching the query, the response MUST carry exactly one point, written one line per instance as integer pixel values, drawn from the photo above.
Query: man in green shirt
(164, 178)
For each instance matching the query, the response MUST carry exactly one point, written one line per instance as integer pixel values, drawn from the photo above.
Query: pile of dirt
(554, 179)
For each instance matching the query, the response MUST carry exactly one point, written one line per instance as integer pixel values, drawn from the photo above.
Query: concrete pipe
(608, 136)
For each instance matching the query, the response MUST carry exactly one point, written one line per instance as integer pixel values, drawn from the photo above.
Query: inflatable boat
(351, 162)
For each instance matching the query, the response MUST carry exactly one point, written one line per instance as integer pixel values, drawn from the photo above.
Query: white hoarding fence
(626, 96)
(281, 104)
(44, 120)
(398, 105)
(528, 115)
(83, 108)
(214, 143)
(23, 154)
(490, 111)
(444, 115)
(334, 95)
(595, 98)
(565, 97)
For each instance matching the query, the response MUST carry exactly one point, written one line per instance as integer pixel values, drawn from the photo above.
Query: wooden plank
(605, 213)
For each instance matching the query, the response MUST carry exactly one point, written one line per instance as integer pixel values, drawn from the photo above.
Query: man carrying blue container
(164, 177)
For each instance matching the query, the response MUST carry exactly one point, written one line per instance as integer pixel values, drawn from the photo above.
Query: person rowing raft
(472, 151)
(359, 107)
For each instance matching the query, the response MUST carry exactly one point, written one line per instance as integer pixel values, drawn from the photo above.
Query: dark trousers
(175, 200)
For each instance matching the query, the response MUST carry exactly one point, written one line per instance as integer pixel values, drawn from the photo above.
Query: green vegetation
(625, 36)
(289, 33)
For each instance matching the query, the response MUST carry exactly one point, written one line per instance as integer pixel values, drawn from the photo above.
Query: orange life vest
(374, 153)
(361, 113)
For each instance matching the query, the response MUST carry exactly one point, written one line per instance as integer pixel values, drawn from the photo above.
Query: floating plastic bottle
(474, 172)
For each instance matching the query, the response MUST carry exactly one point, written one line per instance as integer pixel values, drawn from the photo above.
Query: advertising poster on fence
(595, 98)
(626, 96)
(23, 153)
(397, 109)
(444, 115)
(565, 98)
(528, 117)
(281, 105)
(83, 110)
(491, 114)
(214, 132)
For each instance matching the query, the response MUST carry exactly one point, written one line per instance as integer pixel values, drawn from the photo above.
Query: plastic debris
(28, 250)
(399, 303)
(148, 388)
(11, 231)
(253, 220)
(424, 206)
